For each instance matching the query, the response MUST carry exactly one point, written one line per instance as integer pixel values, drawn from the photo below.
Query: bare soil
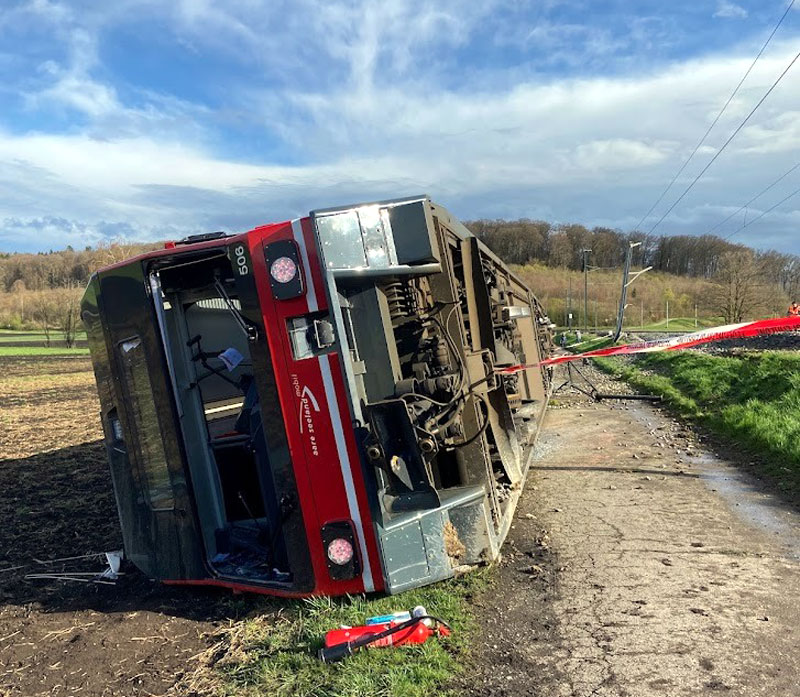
(642, 562)
(56, 500)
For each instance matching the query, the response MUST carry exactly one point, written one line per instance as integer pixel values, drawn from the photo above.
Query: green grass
(676, 323)
(753, 400)
(591, 344)
(265, 655)
(34, 335)
(15, 337)
(41, 351)
(10, 338)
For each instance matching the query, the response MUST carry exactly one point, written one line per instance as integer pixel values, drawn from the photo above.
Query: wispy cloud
(730, 10)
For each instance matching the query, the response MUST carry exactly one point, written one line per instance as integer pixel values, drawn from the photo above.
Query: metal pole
(586, 289)
(624, 294)
(626, 281)
(566, 310)
(569, 302)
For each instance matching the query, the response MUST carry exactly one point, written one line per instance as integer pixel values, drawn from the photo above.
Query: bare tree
(738, 293)
(44, 312)
(18, 289)
(115, 251)
(69, 304)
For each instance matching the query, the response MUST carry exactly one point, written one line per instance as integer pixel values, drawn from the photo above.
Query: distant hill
(63, 268)
(690, 274)
(527, 241)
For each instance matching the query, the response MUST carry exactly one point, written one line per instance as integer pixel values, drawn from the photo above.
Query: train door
(155, 507)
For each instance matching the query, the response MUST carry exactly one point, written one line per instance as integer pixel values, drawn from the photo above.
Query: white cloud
(730, 10)
(572, 44)
(617, 154)
(77, 91)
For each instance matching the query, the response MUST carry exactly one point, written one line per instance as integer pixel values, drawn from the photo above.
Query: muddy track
(665, 569)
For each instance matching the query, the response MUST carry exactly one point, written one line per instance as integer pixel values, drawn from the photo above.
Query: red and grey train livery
(313, 406)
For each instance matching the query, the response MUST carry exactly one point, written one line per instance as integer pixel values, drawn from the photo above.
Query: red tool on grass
(340, 643)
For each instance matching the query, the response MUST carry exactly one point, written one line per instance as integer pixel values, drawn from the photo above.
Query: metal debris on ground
(107, 576)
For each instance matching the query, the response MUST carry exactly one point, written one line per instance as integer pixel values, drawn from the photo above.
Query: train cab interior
(207, 343)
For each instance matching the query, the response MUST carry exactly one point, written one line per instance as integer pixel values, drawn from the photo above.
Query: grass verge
(591, 344)
(41, 351)
(272, 651)
(677, 323)
(588, 342)
(11, 335)
(752, 400)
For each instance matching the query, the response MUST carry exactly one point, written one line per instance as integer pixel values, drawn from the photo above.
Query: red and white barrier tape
(730, 331)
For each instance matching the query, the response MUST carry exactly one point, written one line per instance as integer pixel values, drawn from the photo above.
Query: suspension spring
(397, 296)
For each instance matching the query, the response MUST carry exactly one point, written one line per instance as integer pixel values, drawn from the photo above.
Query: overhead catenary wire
(726, 143)
(761, 215)
(752, 200)
(717, 118)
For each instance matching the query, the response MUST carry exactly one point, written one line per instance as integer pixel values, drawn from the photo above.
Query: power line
(726, 143)
(717, 118)
(758, 217)
(755, 198)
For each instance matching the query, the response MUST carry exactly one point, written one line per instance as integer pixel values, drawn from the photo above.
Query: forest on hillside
(43, 291)
(703, 275)
(560, 246)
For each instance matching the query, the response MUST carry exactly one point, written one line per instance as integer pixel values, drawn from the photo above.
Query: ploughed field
(64, 638)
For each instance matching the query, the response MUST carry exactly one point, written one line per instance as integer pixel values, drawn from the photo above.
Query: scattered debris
(532, 570)
(108, 577)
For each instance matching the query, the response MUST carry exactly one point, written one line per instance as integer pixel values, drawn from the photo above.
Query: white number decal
(241, 260)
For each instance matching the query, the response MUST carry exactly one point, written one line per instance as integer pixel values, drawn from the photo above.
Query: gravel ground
(786, 341)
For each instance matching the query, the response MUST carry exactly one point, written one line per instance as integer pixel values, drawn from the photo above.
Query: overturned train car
(312, 407)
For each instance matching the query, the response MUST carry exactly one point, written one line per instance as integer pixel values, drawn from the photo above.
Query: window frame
(145, 461)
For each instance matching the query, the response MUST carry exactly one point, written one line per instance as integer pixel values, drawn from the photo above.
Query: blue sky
(144, 119)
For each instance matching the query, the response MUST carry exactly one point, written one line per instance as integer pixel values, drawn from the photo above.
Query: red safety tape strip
(730, 331)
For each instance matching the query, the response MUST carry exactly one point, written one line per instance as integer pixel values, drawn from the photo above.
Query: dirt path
(640, 564)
